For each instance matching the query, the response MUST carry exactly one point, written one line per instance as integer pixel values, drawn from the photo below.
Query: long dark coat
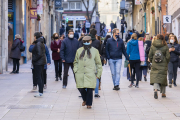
(159, 70)
(15, 50)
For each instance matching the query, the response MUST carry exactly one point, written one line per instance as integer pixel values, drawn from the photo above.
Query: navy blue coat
(76, 35)
(47, 54)
(68, 49)
(115, 49)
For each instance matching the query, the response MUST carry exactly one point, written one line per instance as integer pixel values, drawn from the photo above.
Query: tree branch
(88, 4)
(93, 9)
(84, 3)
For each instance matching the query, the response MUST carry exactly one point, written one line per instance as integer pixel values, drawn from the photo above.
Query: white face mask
(171, 41)
(71, 36)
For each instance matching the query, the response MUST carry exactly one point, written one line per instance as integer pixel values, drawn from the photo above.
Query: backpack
(22, 47)
(158, 56)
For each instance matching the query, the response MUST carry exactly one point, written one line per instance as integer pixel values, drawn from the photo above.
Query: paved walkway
(17, 101)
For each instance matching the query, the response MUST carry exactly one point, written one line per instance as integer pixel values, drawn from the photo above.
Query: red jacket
(54, 48)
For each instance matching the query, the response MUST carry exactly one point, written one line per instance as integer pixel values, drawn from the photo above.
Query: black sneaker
(56, 79)
(145, 79)
(114, 88)
(60, 78)
(175, 85)
(131, 85)
(170, 85)
(117, 87)
(97, 96)
(137, 86)
(155, 95)
(17, 72)
(13, 72)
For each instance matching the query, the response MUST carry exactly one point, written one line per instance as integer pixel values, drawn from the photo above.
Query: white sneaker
(39, 95)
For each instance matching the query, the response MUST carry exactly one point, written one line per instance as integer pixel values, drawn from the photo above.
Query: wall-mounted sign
(60, 9)
(39, 6)
(166, 18)
(10, 16)
(137, 2)
(71, 18)
(33, 13)
(34, 3)
(58, 3)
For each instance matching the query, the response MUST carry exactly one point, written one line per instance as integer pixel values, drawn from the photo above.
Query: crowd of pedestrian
(87, 53)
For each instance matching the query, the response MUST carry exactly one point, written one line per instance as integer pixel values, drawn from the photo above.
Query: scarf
(86, 47)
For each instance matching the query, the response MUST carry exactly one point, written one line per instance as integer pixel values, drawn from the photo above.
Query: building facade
(16, 19)
(174, 11)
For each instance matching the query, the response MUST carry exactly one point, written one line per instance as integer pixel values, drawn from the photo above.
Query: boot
(164, 95)
(99, 85)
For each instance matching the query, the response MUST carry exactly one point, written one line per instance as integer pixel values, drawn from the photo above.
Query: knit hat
(86, 38)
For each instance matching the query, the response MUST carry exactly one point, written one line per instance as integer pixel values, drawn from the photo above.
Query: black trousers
(44, 76)
(87, 95)
(38, 75)
(135, 64)
(122, 34)
(15, 64)
(58, 68)
(66, 69)
(172, 72)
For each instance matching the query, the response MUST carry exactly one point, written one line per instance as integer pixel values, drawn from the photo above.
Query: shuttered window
(10, 5)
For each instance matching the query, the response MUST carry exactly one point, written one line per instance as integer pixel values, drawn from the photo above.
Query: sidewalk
(17, 101)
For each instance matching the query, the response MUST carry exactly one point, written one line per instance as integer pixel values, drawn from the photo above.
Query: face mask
(71, 36)
(171, 41)
(55, 37)
(117, 36)
(86, 43)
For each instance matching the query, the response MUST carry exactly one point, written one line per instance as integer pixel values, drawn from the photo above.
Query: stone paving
(17, 101)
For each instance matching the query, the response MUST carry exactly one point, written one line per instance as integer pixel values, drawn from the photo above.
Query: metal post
(1, 60)
(145, 22)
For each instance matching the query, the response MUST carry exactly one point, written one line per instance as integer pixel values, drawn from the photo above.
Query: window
(75, 5)
(65, 5)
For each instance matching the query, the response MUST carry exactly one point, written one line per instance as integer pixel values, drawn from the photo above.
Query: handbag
(126, 62)
(22, 47)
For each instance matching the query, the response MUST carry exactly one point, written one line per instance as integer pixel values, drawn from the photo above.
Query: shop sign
(33, 13)
(39, 6)
(70, 18)
(166, 18)
(58, 3)
(137, 2)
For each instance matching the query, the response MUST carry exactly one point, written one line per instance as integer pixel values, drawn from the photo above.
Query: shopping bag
(126, 62)
(125, 72)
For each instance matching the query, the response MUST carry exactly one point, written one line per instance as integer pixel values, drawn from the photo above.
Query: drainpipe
(145, 22)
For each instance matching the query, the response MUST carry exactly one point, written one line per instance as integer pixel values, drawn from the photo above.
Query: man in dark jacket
(61, 30)
(112, 26)
(38, 61)
(44, 40)
(68, 50)
(76, 35)
(114, 50)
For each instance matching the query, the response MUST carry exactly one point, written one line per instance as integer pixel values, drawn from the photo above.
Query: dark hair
(93, 31)
(41, 33)
(70, 31)
(55, 35)
(161, 37)
(107, 37)
(176, 41)
(37, 35)
(99, 38)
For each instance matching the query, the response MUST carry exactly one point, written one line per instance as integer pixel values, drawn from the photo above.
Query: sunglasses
(86, 41)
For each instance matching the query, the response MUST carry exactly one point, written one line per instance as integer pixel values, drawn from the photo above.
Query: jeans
(97, 87)
(38, 74)
(143, 71)
(15, 64)
(66, 69)
(87, 95)
(172, 71)
(115, 66)
(58, 67)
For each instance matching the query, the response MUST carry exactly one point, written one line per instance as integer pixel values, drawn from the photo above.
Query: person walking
(114, 50)
(159, 56)
(62, 30)
(76, 35)
(174, 49)
(43, 37)
(68, 50)
(55, 47)
(87, 60)
(38, 61)
(112, 26)
(48, 58)
(16, 53)
(134, 60)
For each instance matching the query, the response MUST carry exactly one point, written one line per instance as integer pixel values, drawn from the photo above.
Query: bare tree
(87, 9)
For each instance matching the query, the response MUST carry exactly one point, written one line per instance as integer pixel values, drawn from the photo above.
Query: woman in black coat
(174, 49)
(16, 53)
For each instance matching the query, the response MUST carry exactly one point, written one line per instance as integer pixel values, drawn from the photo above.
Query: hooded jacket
(38, 52)
(159, 70)
(15, 50)
(133, 50)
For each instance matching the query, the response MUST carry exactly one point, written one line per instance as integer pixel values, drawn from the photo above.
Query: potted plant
(38, 17)
(152, 10)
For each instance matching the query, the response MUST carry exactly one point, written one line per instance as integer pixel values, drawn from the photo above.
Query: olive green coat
(159, 70)
(87, 70)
